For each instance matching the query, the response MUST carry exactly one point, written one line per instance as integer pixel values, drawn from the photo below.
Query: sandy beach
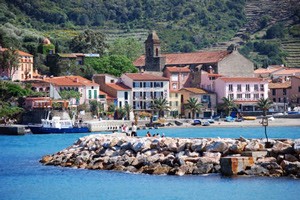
(251, 123)
(257, 122)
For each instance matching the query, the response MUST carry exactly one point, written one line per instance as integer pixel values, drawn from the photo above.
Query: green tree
(96, 108)
(227, 105)
(159, 106)
(193, 105)
(129, 47)
(9, 61)
(276, 31)
(89, 41)
(264, 105)
(127, 109)
(114, 65)
(70, 94)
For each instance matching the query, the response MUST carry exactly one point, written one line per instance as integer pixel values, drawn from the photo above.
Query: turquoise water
(23, 177)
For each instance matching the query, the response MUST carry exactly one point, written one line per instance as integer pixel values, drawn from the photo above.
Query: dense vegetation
(183, 25)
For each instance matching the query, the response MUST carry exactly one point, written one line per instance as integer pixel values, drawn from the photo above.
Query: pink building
(245, 91)
(178, 77)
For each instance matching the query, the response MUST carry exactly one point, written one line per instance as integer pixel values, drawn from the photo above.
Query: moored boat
(57, 125)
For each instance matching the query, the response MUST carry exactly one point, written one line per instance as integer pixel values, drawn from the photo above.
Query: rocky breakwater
(176, 156)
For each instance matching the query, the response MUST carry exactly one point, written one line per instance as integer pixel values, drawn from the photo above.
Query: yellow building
(25, 69)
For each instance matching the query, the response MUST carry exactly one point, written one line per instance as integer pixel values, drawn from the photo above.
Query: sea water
(23, 177)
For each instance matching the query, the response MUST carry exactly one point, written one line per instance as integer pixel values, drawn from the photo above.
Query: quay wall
(12, 130)
(178, 156)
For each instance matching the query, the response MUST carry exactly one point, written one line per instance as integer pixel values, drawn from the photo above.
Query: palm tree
(127, 109)
(193, 105)
(227, 105)
(264, 105)
(160, 105)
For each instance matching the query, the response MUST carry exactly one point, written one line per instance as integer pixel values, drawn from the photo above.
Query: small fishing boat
(57, 125)
(249, 118)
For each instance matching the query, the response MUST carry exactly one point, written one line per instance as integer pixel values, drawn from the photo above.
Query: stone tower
(154, 60)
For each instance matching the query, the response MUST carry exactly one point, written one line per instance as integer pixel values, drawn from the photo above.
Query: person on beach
(133, 130)
(148, 134)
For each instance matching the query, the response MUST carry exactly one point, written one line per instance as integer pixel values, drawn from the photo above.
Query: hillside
(182, 25)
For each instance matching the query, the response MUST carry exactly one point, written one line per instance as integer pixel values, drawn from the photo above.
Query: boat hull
(43, 130)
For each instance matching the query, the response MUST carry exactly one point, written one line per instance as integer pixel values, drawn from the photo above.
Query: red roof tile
(145, 77)
(21, 53)
(188, 58)
(195, 90)
(241, 79)
(280, 85)
(288, 72)
(70, 81)
(178, 69)
(268, 70)
(118, 86)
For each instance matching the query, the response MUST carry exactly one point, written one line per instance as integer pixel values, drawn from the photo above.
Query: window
(174, 77)
(239, 96)
(120, 104)
(247, 87)
(156, 51)
(174, 86)
(95, 94)
(262, 87)
(274, 99)
(90, 94)
(262, 96)
(247, 96)
(126, 95)
(299, 89)
(176, 103)
(141, 84)
(273, 92)
(256, 96)
(176, 95)
(230, 88)
(284, 91)
(279, 99)
(230, 96)
(170, 103)
(255, 87)
(239, 87)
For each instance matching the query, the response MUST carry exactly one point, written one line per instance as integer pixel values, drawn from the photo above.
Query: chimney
(76, 80)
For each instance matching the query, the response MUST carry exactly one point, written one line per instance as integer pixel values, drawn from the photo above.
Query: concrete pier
(12, 129)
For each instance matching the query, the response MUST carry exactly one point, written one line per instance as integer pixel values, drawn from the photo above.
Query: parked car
(229, 119)
(196, 122)
(206, 123)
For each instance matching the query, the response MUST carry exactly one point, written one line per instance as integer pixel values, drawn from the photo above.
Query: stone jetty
(179, 156)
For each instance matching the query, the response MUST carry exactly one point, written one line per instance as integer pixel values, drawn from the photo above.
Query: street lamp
(265, 123)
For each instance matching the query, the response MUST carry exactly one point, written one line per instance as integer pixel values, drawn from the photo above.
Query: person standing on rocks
(133, 130)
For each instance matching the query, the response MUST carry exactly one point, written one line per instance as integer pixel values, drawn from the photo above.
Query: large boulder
(218, 146)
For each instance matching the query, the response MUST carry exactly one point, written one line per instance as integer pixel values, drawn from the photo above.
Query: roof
(108, 97)
(145, 77)
(241, 79)
(153, 37)
(268, 70)
(188, 58)
(280, 85)
(67, 55)
(21, 53)
(195, 90)
(118, 86)
(288, 72)
(178, 69)
(70, 81)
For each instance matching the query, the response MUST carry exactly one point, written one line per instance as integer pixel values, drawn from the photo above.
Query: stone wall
(174, 156)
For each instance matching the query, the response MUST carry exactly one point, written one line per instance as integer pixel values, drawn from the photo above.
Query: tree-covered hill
(184, 25)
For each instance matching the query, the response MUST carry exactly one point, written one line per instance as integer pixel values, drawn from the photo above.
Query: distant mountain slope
(183, 25)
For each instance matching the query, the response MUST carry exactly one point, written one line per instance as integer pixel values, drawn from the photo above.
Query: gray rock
(297, 146)
(219, 146)
(290, 158)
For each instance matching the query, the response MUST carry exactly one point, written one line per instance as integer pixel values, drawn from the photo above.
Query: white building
(145, 87)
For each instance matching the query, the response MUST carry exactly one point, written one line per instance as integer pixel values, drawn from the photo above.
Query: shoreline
(245, 123)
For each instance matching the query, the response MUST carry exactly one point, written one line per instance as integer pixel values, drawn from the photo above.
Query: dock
(12, 129)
